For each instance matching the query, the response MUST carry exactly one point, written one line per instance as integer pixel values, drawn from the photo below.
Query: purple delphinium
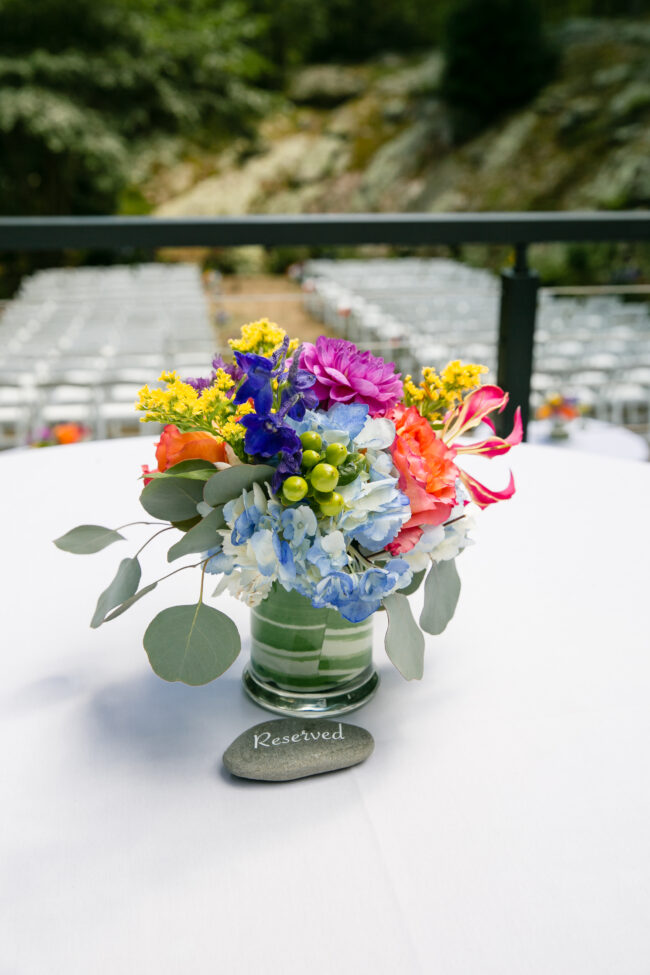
(258, 372)
(267, 436)
(298, 395)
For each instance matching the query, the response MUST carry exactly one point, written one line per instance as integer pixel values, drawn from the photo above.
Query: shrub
(84, 84)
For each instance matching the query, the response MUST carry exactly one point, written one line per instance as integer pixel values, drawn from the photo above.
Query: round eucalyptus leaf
(404, 640)
(172, 498)
(87, 539)
(441, 592)
(184, 526)
(229, 483)
(123, 586)
(189, 467)
(192, 644)
(129, 602)
(193, 470)
(202, 537)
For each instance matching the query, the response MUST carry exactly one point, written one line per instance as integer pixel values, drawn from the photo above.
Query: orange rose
(174, 446)
(427, 475)
(69, 432)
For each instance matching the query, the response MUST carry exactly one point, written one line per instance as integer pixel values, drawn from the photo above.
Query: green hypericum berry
(333, 506)
(324, 477)
(310, 457)
(311, 440)
(295, 488)
(321, 496)
(336, 453)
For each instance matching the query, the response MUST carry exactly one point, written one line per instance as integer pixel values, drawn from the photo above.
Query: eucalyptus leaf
(441, 592)
(404, 640)
(184, 526)
(172, 499)
(204, 474)
(415, 583)
(192, 644)
(200, 538)
(87, 539)
(229, 483)
(129, 602)
(187, 468)
(123, 586)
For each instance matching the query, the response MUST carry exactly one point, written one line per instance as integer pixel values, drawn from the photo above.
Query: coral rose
(174, 447)
(427, 475)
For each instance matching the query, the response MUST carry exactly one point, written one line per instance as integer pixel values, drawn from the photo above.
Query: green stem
(155, 535)
(202, 580)
(194, 565)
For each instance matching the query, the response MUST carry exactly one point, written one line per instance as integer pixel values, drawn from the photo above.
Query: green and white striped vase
(308, 661)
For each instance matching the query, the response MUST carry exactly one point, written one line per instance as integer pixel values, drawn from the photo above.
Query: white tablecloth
(594, 437)
(500, 828)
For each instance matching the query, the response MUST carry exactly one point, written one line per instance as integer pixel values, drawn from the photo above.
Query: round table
(592, 436)
(500, 827)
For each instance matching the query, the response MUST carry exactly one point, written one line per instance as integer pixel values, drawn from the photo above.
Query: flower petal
(484, 496)
(174, 447)
(473, 410)
(496, 445)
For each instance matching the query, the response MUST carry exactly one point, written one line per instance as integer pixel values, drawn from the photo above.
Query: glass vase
(308, 661)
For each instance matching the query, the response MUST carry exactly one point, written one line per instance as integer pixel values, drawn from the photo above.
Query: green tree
(83, 85)
(497, 58)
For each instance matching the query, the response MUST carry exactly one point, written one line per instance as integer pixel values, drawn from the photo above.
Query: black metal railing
(519, 284)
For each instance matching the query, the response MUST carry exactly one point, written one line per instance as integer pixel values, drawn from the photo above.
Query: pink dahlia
(346, 375)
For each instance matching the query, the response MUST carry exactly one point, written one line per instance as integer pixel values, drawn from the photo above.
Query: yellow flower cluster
(232, 431)
(261, 337)
(178, 403)
(437, 394)
(461, 378)
(181, 404)
(212, 410)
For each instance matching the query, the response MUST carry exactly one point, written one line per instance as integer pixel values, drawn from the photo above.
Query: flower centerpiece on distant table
(560, 410)
(320, 488)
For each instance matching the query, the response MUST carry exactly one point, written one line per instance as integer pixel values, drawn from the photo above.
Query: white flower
(455, 540)
(377, 433)
(261, 544)
(418, 557)
(334, 544)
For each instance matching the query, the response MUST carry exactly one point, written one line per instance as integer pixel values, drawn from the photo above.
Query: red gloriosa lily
(474, 410)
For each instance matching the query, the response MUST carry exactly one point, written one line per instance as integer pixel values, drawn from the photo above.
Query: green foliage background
(83, 83)
(86, 85)
(496, 59)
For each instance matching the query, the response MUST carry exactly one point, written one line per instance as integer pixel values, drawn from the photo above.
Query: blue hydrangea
(357, 597)
(266, 542)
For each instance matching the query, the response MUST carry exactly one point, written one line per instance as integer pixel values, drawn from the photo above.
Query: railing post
(519, 287)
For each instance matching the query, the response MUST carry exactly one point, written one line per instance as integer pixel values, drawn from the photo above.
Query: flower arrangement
(558, 407)
(59, 434)
(560, 410)
(314, 468)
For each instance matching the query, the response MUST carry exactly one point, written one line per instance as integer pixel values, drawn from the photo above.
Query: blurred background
(208, 108)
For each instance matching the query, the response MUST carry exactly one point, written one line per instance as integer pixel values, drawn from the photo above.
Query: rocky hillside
(378, 137)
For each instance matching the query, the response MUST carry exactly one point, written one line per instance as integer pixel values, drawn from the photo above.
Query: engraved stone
(293, 748)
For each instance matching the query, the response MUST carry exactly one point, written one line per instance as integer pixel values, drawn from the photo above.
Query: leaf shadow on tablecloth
(148, 719)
